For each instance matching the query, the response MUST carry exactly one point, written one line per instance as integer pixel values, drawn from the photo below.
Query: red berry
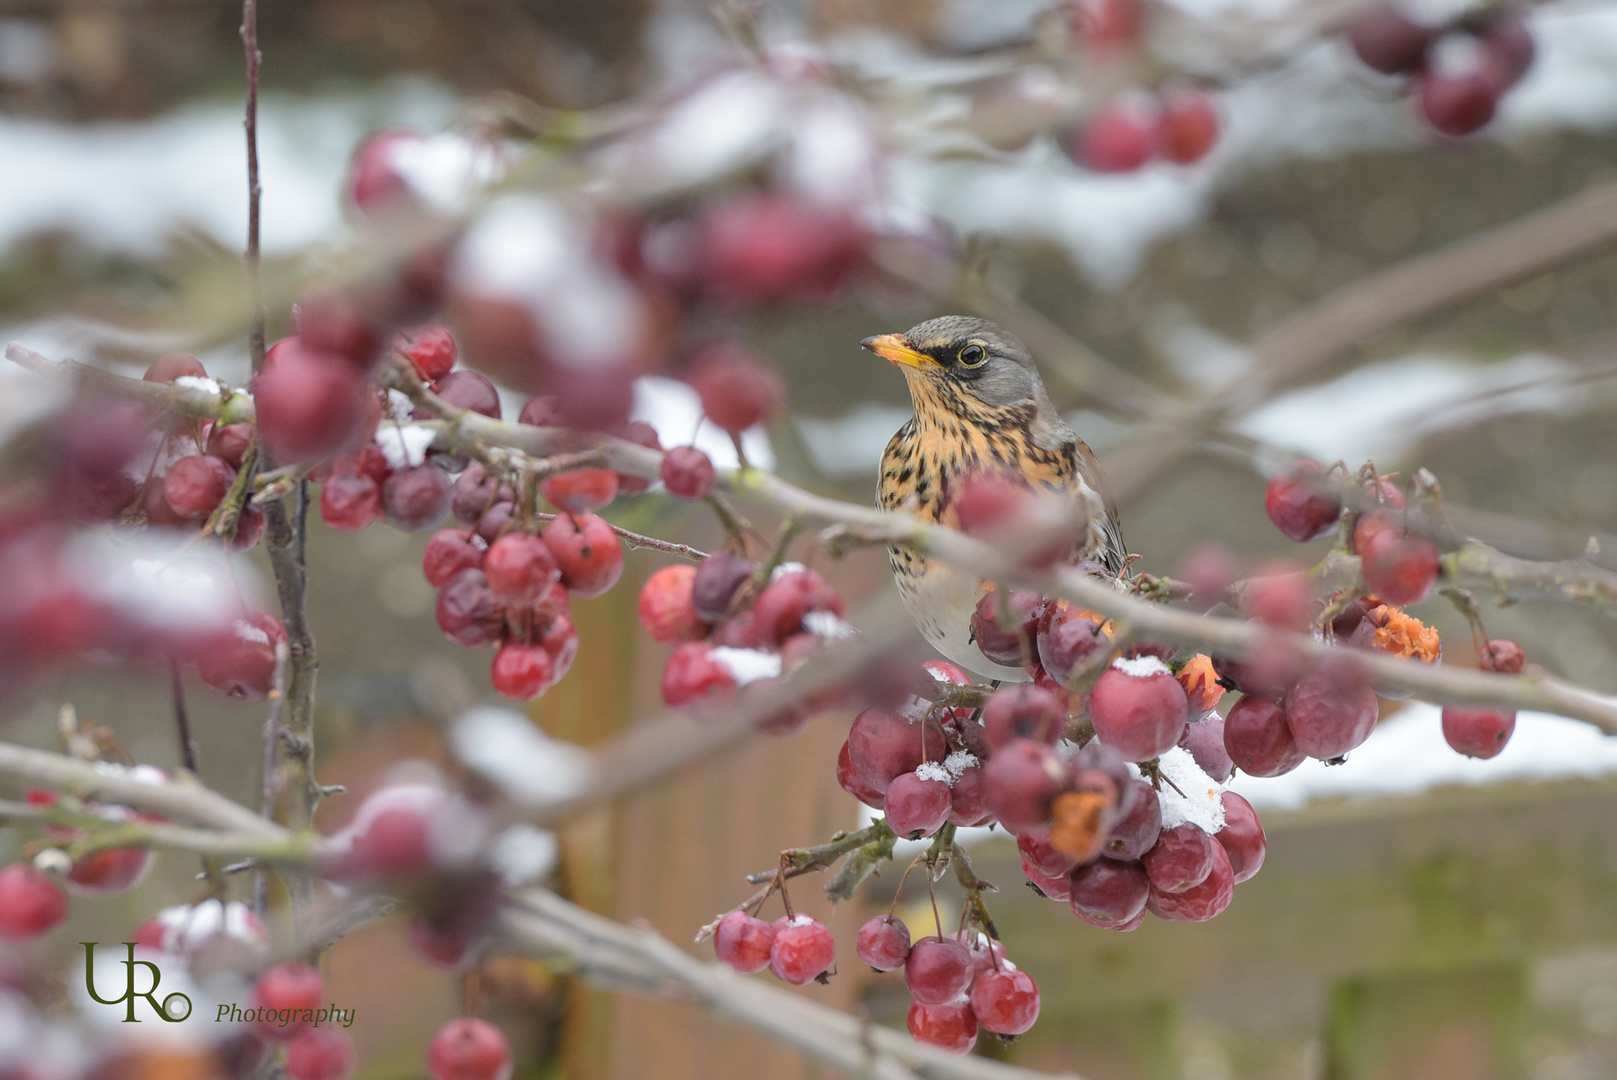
(1019, 782)
(392, 835)
(687, 473)
(521, 671)
(1106, 24)
(1477, 732)
(1269, 673)
(109, 871)
(320, 1055)
(1330, 711)
(739, 388)
(350, 501)
(1202, 902)
(743, 942)
(30, 903)
(174, 365)
(1205, 740)
(884, 943)
(469, 1049)
(883, 745)
(1399, 570)
(309, 404)
(1279, 597)
(448, 553)
(917, 807)
(1134, 833)
(1138, 708)
(229, 442)
(1302, 501)
(470, 390)
(778, 612)
(1023, 712)
(853, 783)
(665, 606)
(330, 323)
(587, 551)
(938, 970)
(1459, 98)
(765, 249)
(988, 500)
(1241, 837)
(1034, 846)
(803, 950)
(581, 491)
(435, 946)
(195, 485)
(1187, 127)
(240, 661)
(1005, 1002)
(967, 798)
(1057, 889)
(431, 349)
(691, 673)
(1117, 138)
(1389, 41)
(1181, 859)
(1068, 638)
(467, 611)
(519, 568)
(951, 1027)
(1504, 657)
(288, 986)
(1258, 740)
(1108, 893)
(561, 642)
(1510, 45)
(415, 500)
(1014, 644)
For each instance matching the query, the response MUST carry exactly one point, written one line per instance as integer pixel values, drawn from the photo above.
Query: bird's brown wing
(1112, 552)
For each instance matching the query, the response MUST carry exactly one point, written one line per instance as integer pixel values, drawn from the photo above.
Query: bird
(979, 405)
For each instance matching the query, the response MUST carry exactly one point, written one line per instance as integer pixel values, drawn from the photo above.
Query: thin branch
(182, 720)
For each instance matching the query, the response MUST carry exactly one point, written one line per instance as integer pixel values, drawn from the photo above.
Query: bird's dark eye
(972, 355)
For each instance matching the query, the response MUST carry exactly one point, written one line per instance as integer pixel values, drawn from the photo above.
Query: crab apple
(986, 954)
(287, 986)
(883, 943)
(951, 1027)
(158, 512)
(1037, 852)
(330, 322)
(30, 903)
(937, 970)
(665, 606)
(1023, 712)
(441, 949)
(470, 390)
(1258, 740)
(717, 579)
(1200, 902)
(1241, 837)
(521, 671)
(320, 1055)
(229, 442)
(560, 640)
(1505, 657)
(195, 485)
(467, 611)
(1477, 732)
(1068, 638)
(1372, 522)
(1269, 673)
(738, 387)
(768, 248)
(1510, 45)
(1187, 127)
(642, 434)
(1330, 710)
(240, 661)
(778, 612)
(1050, 888)
(1457, 103)
(687, 473)
(175, 365)
(469, 1049)
(1134, 832)
(1015, 643)
(1119, 137)
(1138, 708)
(1399, 570)
(743, 942)
(580, 491)
(349, 501)
(1302, 501)
(249, 528)
(520, 568)
(448, 553)
(587, 551)
(415, 500)
(803, 950)
(1108, 893)
(988, 500)
(1019, 782)
(109, 871)
(917, 806)
(1388, 41)
(853, 783)
(1181, 859)
(431, 348)
(1005, 1002)
(691, 673)
(497, 521)
(1204, 739)
(474, 492)
(308, 404)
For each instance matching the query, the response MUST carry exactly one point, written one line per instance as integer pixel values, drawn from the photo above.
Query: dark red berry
(884, 943)
(328, 322)
(469, 1049)
(1134, 832)
(853, 783)
(937, 970)
(560, 640)
(1478, 732)
(470, 390)
(1510, 45)
(30, 903)
(687, 473)
(1258, 740)
(1504, 657)
(1399, 570)
(1005, 1002)
(581, 491)
(1138, 708)
(1014, 644)
(917, 806)
(1181, 858)
(883, 745)
(1278, 596)
(1330, 711)
(1302, 501)
(739, 388)
(665, 606)
(415, 500)
(1037, 852)
(803, 950)
(1068, 638)
(717, 579)
(309, 404)
(194, 486)
(1187, 127)
(968, 803)
(1108, 892)
(431, 349)
(742, 942)
(294, 987)
(951, 1027)
(229, 442)
(467, 611)
(350, 501)
(1389, 41)
(1241, 837)
(1459, 98)
(542, 411)
(1201, 902)
(1205, 740)
(780, 608)
(1023, 712)
(765, 249)
(448, 553)
(109, 871)
(587, 552)
(1118, 137)
(691, 673)
(1051, 888)
(1020, 780)
(474, 493)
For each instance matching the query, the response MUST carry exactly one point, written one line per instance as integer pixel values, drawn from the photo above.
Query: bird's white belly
(941, 602)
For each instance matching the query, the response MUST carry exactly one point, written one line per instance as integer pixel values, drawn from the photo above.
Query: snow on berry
(692, 673)
(803, 950)
(404, 445)
(1197, 798)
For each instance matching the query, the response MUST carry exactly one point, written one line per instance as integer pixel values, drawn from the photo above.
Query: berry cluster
(1180, 125)
(1456, 72)
(957, 989)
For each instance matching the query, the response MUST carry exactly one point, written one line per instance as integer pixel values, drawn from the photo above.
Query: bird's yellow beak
(895, 350)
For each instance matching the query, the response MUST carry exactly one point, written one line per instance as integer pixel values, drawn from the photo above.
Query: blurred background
(1419, 916)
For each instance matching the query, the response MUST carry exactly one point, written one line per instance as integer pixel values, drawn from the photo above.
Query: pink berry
(968, 804)
(580, 491)
(1023, 712)
(1138, 708)
(916, 807)
(1068, 638)
(175, 365)
(987, 501)
(951, 1027)
(1478, 732)
(560, 640)
(1117, 138)
(1134, 833)
(884, 943)
(1258, 740)
(469, 1049)
(415, 500)
(1020, 780)
(1401, 571)
(448, 553)
(431, 349)
(321, 1054)
(1205, 740)
(779, 610)
(1108, 893)
(853, 783)
(587, 552)
(1302, 501)
(803, 950)
(665, 606)
(1510, 45)
(30, 903)
(542, 411)
(1330, 711)
(1187, 127)
(743, 942)
(1181, 859)
(1005, 1002)
(938, 970)
(1014, 644)
(739, 388)
(1105, 24)
(474, 493)
(687, 473)
(391, 838)
(1241, 837)
(883, 745)
(240, 661)
(349, 501)
(519, 568)
(470, 390)
(309, 404)
(1201, 902)
(467, 611)
(1389, 41)
(765, 249)
(497, 522)
(195, 485)
(692, 673)
(229, 442)
(1279, 597)
(1459, 98)
(288, 986)
(523, 672)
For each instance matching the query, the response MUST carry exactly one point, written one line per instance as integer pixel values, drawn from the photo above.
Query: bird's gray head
(971, 356)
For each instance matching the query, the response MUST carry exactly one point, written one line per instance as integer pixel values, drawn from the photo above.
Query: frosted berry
(1138, 708)
(938, 970)
(1014, 644)
(967, 798)
(1201, 902)
(917, 806)
(1401, 571)
(431, 349)
(519, 568)
(308, 404)
(1134, 833)
(1020, 781)
(415, 500)
(665, 606)
(1023, 712)
(1117, 138)
(175, 365)
(321, 1054)
(288, 986)
(470, 390)
(1389, 41)
(687, 473)
(884, 943)
(1258, 740)
(523, 672)
(467, 611)
(1478, 732)
(779, 610)
(194, 486)
(739, 388)
(1458, 91)
(1330, 711)
(1302, 501)
(1108, 893)
(580, 491)
(1241, 837)
(743, 942)
(1181, 859)
(587, 551)
(803, 950)
(448, 553)
(469, 1049)
(1187, 127)
(1068, 638)
(951, 1027)
(1005, 1002)
(1205, 740)
(692, 673)
(30, 903)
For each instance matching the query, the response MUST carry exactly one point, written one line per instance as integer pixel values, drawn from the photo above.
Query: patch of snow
(404, 446)
(746, 665)
(827, 624)
(958, 762)
(194, 382)
(931, 770)
(524, 854)
(1197, 802)
(509, 749)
